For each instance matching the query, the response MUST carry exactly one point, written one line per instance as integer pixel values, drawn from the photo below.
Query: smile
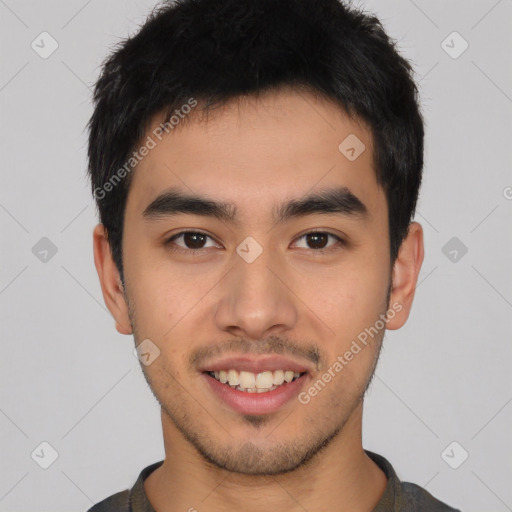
(249, 382)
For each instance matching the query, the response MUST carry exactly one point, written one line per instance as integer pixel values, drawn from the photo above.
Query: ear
(405, 275)
(110, 280)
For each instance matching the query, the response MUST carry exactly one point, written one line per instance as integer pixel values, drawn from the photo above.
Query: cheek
(172, 303)
(159, 300)
(347, 297)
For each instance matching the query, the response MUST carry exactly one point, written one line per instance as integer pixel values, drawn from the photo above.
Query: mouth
(255, 386)
(249, 382)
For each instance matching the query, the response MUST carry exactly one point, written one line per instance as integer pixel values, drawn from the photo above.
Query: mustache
(270, 345)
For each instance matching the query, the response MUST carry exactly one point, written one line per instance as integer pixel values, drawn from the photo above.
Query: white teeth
(247, 380)
(264, 380)
(288, 376)
(255, 390)
(278, 377)
(255, 383)
(233, 378)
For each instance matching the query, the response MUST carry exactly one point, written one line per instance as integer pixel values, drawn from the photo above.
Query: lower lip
(256, 403)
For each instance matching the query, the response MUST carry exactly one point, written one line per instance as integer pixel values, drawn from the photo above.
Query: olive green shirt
(398, 496)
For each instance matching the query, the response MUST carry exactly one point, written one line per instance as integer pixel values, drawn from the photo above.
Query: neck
(340, 477)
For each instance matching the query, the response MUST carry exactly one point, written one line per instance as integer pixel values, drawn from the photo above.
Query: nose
(256, 300)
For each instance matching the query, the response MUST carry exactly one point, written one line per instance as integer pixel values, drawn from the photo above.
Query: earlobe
(111, 286)
(405, 275)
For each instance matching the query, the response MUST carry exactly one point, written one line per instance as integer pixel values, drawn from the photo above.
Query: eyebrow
(339, 200)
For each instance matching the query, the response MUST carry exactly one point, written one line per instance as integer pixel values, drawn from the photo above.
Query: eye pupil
(194, 240)
(315, 237)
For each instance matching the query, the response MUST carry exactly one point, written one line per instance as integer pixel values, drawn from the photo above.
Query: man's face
(257, 296)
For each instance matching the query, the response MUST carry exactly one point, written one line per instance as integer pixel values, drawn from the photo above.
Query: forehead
(255, 152)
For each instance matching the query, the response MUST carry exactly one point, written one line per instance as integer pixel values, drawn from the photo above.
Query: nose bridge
(254, 300)
(253, 274)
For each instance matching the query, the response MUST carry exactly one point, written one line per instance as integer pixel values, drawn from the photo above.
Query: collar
(391, 500)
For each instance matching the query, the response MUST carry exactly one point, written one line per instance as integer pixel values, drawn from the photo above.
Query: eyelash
(174, 248)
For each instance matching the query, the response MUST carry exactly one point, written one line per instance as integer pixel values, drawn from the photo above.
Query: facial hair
(247, 457)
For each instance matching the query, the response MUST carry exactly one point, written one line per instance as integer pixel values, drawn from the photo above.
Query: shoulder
(129, 500)
(118, 502)
(416, 498)
(405, 496)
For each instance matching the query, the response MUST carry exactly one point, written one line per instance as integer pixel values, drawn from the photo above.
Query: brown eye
(189, 241)
(194, 240)
(318, 241)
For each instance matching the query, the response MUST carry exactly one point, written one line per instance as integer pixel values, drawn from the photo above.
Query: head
(286, 138)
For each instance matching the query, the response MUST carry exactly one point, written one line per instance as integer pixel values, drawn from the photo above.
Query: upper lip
(255, 364)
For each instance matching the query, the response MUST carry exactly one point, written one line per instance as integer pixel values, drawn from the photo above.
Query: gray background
(69, 379)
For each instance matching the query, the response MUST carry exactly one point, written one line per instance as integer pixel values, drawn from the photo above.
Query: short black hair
(214, 51)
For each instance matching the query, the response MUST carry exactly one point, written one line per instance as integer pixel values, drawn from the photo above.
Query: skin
(255, 153)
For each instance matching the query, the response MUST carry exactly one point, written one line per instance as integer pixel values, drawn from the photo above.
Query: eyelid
(168, 241)
(339, 239)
